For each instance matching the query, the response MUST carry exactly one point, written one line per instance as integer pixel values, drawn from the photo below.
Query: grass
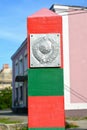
(71, 125)
(25, 128)
(84, 118)
(8, 121)
(76, 118)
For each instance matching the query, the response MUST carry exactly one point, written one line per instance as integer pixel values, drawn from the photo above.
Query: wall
(78, 57)
(75, 60)
(16, 58)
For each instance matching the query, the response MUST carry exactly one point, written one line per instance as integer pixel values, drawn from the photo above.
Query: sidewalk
(12, 116)
(81, 123)
(24, 118)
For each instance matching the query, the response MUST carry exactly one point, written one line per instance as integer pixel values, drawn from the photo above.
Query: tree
(6, 98)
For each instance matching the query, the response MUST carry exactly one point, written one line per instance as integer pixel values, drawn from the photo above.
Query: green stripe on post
(45, 82)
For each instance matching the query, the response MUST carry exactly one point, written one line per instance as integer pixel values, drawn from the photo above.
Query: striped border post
(45, 85)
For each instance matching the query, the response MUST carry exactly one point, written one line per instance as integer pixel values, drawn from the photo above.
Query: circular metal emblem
(45, 50)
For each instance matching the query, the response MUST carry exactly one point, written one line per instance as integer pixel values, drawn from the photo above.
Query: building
(75, 55)
(19, 63)
(75, 60)
(5, 77)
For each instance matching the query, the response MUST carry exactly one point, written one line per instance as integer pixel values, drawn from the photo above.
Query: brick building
(5, 77)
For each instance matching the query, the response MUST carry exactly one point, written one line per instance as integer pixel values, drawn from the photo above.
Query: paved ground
(79, 114)
(9, 114)
(23, 117)
(76, 129)
(81, 123)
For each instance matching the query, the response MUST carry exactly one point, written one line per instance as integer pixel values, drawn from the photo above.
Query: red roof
(44, 13)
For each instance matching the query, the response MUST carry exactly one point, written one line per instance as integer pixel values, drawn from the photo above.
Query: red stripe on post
(45, 111)
(45, 24)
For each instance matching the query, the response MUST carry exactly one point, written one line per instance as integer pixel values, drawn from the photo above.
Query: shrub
(5, 98)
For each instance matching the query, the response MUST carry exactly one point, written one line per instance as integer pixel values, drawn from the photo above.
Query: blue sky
(13, 15)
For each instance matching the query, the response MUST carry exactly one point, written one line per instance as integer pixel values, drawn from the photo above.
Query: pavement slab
(82, 124)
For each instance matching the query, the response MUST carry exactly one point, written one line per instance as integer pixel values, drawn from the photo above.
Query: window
(17, 94)
(21, 66)
(6, 82)
(21, 92)
(16, 69)
(25, 62)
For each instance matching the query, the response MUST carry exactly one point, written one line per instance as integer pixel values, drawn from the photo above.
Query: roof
(43, 13)
(71, 6)
(67, 9)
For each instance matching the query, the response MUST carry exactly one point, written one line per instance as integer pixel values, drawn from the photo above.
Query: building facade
(75, 55)
(5, 77)
(19, 63)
